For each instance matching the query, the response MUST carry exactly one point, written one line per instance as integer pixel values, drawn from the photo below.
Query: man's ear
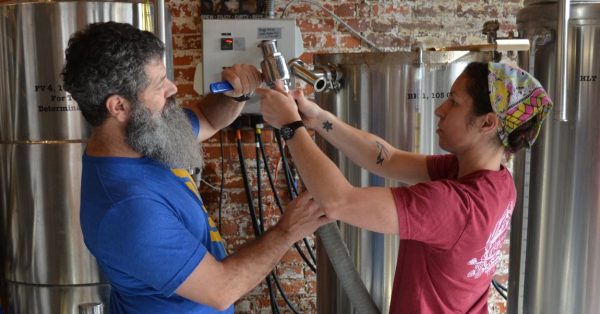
(490, 122)
(118, 107)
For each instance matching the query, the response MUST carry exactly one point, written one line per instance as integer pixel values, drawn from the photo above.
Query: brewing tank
(46, 267)
(555, 238)
(392, 95)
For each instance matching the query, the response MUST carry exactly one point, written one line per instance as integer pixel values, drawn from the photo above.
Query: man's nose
(172, 90)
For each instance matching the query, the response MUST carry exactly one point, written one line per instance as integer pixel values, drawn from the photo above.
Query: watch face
(286, 132)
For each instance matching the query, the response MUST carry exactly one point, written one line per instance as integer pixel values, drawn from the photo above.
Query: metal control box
(227, 41)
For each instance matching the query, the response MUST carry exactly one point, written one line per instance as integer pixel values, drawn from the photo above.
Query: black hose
(291, 177)
(280, 206)
(500, 288)
(221, 190)
(292, 190)
(272, 297)
(258, 189)
(259, 230)
(504, 288)
(283, 295)
(247, 185)
(274, 307)
(269, 176)
(285, 163)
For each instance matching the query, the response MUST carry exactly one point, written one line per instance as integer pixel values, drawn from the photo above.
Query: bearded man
(141, 214)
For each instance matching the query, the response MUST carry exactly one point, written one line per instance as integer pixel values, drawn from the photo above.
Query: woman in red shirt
(455, 214)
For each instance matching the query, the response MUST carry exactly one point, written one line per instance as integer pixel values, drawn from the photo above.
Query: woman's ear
(118, 107)
(490, 123)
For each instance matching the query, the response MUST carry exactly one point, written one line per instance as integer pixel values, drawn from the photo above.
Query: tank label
(427, 95)
(587, 78)
(53, 98)
(270, 32)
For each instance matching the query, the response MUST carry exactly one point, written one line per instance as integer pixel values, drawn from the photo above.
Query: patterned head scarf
(516, 98)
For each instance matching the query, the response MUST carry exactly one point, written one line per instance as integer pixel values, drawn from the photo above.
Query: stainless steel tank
(393, 95)
(555, 238)
(46, 267)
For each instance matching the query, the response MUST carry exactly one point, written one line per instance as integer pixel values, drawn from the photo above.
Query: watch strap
(288, 130)
(242, 98)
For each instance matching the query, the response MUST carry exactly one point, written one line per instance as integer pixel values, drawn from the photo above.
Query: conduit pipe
(346, 271)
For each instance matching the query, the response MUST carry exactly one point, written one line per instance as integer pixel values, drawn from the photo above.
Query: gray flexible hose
(346, 271)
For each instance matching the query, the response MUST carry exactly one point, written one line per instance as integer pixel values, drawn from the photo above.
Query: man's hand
(244, 78)
(216, 111)
(301, 218)
(234, 276)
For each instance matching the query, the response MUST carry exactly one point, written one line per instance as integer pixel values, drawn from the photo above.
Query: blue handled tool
(220, 87)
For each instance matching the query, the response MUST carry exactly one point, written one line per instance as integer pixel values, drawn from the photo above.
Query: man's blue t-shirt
(148, 229)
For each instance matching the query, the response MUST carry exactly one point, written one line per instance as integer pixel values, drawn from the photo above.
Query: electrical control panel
(228, 41)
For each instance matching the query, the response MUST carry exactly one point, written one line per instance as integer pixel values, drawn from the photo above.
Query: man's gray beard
(167, 138)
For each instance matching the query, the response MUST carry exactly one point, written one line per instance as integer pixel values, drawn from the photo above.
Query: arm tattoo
(328, 126)
(382, 154)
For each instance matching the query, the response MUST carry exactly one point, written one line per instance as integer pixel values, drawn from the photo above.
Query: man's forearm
(220, 110)
(247, 267)
(220, 284)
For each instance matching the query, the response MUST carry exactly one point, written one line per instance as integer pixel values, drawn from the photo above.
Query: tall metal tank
(555, 239)
(46, 267)
(392, 95)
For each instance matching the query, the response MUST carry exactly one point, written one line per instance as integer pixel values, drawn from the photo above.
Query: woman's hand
(278, 108)
(309, 110)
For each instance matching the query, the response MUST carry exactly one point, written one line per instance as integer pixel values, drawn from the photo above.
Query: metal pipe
(519, 222)
(299, 69)
(270, 9)
(499, 45)
(562, 40)
(91, 308)
(273, 65)
(159, 22)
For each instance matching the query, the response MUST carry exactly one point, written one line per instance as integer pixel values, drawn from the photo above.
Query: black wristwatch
(288, 130)
(242, 98)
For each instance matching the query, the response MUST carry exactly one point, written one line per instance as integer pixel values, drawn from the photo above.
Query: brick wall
(391, 25)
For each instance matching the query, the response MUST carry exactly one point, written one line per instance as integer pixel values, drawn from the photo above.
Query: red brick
(186, 90)
(316, 25)
(311, 40)
(299, 8)
(292, 256)
(186, 26)
(179, 9)
(358, 24)
(331, 41)
(185, 75)
(307, 57)
(349, 42)
(365, 10)
(345, 10)
(183, 60)
(383, 25)
(187, 41)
